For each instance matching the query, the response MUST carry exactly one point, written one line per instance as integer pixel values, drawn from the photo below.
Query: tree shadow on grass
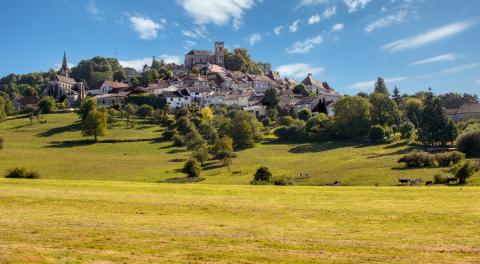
(58, 130)
(324, 146)
(211, 165)
(71, 144)
(176, 150)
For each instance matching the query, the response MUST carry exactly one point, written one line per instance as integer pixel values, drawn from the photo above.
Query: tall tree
(396, 95)
(352, 116)
(380, 86)
(384, 110)
(95, 124)
(270, 98)
(435, 126)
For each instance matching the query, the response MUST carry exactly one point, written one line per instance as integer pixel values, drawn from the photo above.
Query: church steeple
(64, 70)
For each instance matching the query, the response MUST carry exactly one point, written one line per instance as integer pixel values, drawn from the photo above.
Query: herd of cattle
(413, 182)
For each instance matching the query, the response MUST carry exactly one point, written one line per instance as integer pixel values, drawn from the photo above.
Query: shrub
(145, 111)
(377, 133)
(262, 176)
(445, 159)
(469, 143)
(439, 179)
(266, 121)
(304, 114)
(282, 182)
(22, 173)
(47, 104)
(192, 169)
(465, 171)
(407, 129)
(2, 143)
(417, 159)
(285, 120)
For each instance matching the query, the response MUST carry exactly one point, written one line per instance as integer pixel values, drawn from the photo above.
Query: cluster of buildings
(202, 80)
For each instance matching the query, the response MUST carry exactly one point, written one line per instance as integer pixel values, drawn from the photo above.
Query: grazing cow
(429, 183)
(415, 182)
(404, 181)
(450, 180)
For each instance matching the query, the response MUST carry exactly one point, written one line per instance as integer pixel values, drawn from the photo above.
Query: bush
(285, 120)
(469, 143)
(294, 132)
(418, 159)
(407, 129)
(439, 179)
(465, 171)
(377, 133)
(47, 104)
(22, 173)
(266, 121)
(262, 176)
(145, 111)
(304, 114)
(192, 169)
(445, 159)
(282, 182)
(2, 143)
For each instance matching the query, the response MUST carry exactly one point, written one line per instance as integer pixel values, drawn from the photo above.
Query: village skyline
(345, 43)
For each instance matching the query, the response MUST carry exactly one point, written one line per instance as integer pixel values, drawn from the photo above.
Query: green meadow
(57, 150)
(65, 221)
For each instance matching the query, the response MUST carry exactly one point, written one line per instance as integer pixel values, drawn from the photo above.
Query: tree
(244, 129)
(201, 155)
(224, 150)
(240, 60)
(2, 143)
(407, 129)
(194, 140)
(207, 114)
(377, 133)
(396, 95)
(435, 122)
(302, 89)
(47, 104)
(352, 116)
(381, 87)
(129, 110)
(95, 124)
(304, 114)
(456, 100)
(192, 169)
(465, 171)
(208, 131)
(469, 143)
(412, 108)
(262, 176)
(86, 106)
(270, 98)
(384, 110)
(265, 67)
(145, 111)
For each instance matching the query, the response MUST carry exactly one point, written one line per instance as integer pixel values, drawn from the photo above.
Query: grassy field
(43, 148)
(64, 221)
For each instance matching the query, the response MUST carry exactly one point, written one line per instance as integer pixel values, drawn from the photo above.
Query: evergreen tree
(270, 98)
(381, 87)
(435, 126)
(396, 95)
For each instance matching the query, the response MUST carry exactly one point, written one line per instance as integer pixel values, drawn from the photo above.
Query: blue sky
(413, 44)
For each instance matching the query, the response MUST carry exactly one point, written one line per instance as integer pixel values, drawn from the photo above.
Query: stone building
(61, 86)
(202, 58)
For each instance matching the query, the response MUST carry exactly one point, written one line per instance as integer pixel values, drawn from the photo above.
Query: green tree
(302, 89)
(95, 124)
(192, 169)
(412, 109)
(304, 114)
(381, 87)
(86, 106)
(145, 111)
(262, 176)
(240, 60)
(129, 110)
(384, 110)
(407, 129)
(47, 104)
(201, 155)
(270, 98)
(2, 143)
(396, 95)
(352, 116)
(244, 129)
(465, 172)
(435, 124)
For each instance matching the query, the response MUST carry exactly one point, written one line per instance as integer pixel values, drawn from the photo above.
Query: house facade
(201, 58)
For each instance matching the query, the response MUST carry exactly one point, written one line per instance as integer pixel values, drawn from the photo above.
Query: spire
(64, 70)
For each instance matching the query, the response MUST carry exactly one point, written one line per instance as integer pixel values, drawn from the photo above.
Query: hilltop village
(202, 80)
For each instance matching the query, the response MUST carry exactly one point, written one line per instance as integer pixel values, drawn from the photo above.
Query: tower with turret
(219, 53)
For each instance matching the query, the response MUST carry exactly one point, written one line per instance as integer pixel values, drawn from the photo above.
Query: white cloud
(371, 84)
(254, 38)
(302, 47)
(197, 32)
(355, 5)
(314, 19)
(428, 37)
(294, 26)
(188, 44)
(278, 30)
(460, 68)
(298, 70)
(325, 15)
(337, 27)
(217, 12)
(386, 21)
(311, 2)
(94, 12)
(137, 64)
(145, 27)
(439, 58)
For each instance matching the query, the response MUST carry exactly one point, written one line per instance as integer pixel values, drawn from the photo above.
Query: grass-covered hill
(57, 150)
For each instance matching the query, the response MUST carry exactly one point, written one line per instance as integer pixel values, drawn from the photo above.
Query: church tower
(64, 70)
(219, 53)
